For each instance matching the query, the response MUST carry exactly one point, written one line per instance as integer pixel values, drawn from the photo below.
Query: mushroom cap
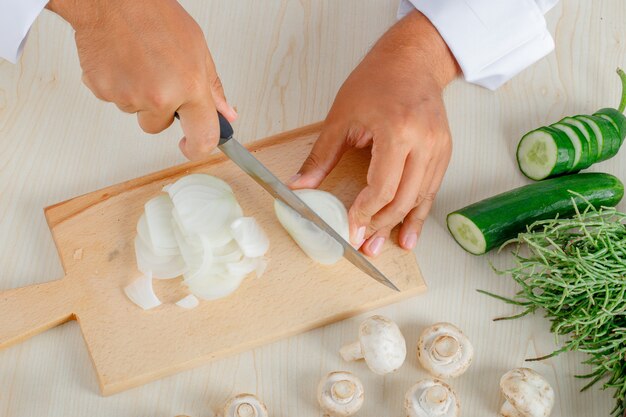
(431, 398)
(340, 394)
(244, 405)
(527, 392)
(382, 344)
(444, 351)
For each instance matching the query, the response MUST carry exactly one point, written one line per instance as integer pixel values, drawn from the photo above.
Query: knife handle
(226, 130)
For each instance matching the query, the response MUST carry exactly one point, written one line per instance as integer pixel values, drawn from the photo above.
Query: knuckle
(216, 84)
(158, 100)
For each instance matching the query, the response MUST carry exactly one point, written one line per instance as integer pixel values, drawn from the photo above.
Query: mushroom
(380, 343)
(431, 398)
(444, 351)
(243, 405)
(527, 394)
(340, 394)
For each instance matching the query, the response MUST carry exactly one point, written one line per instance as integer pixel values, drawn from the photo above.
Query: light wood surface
(282, 62)
(95, 234)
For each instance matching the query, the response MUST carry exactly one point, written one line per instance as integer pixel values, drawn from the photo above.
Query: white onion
(141, 293)
(198, 230)
(250, 236)
(188, 302)
(317, 244)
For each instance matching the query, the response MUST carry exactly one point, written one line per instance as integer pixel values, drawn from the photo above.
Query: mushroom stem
(245, 410)
(343, 391)
(435, 399)
(351, 352)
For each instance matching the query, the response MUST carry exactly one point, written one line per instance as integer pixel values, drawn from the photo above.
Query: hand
(150, 58)
(391, 101)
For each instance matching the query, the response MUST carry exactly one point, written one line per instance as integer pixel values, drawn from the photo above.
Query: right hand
(150, 58)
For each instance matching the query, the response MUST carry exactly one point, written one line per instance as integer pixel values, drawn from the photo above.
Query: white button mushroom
(243, 405)
(380, 343)
(340, 394)
(444, 351)
(431, 398)
(527, 394)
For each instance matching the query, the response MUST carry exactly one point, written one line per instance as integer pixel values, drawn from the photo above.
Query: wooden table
(281, 62)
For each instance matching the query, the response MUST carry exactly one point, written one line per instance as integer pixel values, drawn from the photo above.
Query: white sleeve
(16, 18)
(491, 40)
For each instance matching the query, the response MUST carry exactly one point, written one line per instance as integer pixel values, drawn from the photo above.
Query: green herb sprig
(575, 271)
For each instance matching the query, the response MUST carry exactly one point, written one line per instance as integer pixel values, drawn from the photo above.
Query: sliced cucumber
(581, 146)
(588, 133)
(487, 224)
(606, 134)
(545, 152)
(617, 119)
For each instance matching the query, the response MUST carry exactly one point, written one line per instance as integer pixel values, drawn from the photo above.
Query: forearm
(414, 43)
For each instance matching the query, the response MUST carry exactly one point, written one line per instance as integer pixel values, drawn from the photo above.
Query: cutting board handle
(30, 310)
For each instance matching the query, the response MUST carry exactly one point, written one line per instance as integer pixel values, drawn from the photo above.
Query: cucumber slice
(617, 119)
(545, 152)
(605, 133)
(581, 146)
(589, 136)
(487, 224)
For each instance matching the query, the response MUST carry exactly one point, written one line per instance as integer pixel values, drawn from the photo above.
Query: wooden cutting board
(94, 236)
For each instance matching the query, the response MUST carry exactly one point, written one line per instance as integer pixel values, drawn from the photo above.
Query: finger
(217, 92)
(373, 246)
(198, 120)
(127, 108)
(326, 153)
(418, 170)
(153, 122)
(414, 221)
(383, 179)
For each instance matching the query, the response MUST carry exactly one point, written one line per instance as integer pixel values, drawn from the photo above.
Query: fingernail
(294, 178)
(360, 236)
(410, 241)
(377, 245)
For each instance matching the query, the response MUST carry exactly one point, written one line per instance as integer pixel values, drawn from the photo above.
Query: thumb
(217, 91)
(326, 153)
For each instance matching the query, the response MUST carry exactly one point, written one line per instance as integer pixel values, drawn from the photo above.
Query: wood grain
(129, 346)
(282, 62)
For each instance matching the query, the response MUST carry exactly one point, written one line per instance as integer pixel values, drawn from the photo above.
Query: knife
(264, 177)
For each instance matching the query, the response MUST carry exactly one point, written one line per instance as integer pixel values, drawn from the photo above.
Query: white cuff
(16, 18)
(491, 40)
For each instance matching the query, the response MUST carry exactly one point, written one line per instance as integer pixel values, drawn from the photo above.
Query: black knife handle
(226, 130)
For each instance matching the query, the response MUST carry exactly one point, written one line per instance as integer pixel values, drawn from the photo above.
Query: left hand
(393, 102)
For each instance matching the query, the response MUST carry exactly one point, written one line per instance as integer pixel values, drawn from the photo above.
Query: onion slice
(316, 243)
(188, 302)
(250, 237)
(140, 292)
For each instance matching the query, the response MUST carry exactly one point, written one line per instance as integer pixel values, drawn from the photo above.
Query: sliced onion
(188, 302)
(160, 267)
(318, 245)
(141, 293)
(198, 230)
(158, 213)
(250, 237)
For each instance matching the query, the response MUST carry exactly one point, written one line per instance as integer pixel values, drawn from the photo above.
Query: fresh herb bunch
(575, 270)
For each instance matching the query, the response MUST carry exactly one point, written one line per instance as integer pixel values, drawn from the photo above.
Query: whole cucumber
(489, 223)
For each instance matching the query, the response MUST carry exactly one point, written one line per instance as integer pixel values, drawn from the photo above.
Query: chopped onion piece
(158, 213)
(141, 293)
(317, 244)
(188, 302)
(242, 267)
(160, 267)
(261, 266)
(250, 237)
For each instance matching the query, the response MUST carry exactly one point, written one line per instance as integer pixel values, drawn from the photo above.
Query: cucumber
(545, 152)
(487, 224)
(582, 158)
(587, 139)
(617, 119)
(588, 133)
(605, 133)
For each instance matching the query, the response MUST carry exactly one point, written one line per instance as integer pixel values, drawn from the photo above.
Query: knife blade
(264, 177)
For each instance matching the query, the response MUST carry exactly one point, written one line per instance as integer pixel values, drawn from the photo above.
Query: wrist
(415, 45)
